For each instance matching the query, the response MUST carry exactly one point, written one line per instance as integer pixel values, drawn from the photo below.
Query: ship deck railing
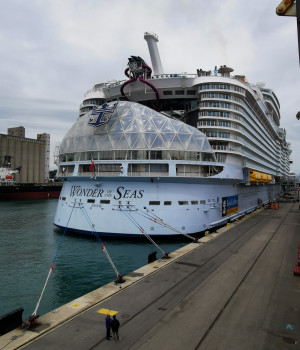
(193, 174)
(109, 84)
(147, 173)
(138, 174)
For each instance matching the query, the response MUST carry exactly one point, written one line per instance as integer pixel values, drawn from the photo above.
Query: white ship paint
(128, 169)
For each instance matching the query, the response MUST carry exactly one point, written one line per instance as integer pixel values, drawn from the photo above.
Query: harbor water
(29, 244)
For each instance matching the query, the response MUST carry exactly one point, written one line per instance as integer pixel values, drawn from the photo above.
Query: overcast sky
(53, 51)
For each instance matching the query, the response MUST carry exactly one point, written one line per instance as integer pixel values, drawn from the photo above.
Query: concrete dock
(234, 290)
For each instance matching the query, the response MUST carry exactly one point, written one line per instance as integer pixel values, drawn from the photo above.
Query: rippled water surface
(28, 245)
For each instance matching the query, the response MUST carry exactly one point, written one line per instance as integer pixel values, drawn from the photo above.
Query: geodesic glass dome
(131, 126)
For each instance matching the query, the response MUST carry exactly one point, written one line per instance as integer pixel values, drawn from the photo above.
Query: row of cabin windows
(221, 87)
(136, 155)
(106, 201)
(214, 86)
(221, 105)
(179, 92)
(216, 123)
(179, 202)
(215, 114)
(102, 201)
(222, 96)
(94, 101)
(144, 169)
(217, 134)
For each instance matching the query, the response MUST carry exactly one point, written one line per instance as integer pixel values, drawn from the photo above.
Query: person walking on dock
(108, 326)
(115, 324)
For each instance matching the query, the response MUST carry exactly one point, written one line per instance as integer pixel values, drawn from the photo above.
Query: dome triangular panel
(158, 143)
(168, 127)
(103, 144)
(143, 123)
(184, 129)
(158, 122)
(132, 138)
(140, 143)
(150, 127)
(176, 124)
(114, 139)
(185, 140)
(193, 145)
(150, 137)
(134, 127)
(123, 143)
(168, 139)
(176, 144)
(117, 127)
(126, 122)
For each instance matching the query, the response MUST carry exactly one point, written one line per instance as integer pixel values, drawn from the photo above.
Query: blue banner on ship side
(230, 205)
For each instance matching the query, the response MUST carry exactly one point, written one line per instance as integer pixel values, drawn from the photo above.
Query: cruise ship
(168, 154)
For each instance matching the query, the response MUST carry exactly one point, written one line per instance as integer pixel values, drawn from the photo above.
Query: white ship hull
(112, 207)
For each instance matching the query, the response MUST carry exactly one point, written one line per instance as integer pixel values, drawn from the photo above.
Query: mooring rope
(153, 217)
(52, 265)
(119, 276)
(144, 232)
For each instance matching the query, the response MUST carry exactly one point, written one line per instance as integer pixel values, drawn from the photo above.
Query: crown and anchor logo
(102, 114)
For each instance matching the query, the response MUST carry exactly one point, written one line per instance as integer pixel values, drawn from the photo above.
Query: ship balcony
(204, 108)
(217, 124)
(232, 138)
(226, 148)
(206, 117)
(217, 100)
(99, 173)
(65, 170)
(190, 170)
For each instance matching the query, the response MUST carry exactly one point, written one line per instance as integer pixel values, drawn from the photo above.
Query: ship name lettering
(86, 192)
(122, 193)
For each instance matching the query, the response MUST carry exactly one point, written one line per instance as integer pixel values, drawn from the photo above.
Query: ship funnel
(152, 39)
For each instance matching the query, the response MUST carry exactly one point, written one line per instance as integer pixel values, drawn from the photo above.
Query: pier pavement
(234, 290)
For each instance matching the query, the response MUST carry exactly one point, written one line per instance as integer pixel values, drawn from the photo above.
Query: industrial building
(31, 156)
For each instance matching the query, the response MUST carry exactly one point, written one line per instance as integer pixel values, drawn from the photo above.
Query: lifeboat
(255, 176)
(258, 177)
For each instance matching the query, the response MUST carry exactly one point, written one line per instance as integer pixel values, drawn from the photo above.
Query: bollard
(152, 257)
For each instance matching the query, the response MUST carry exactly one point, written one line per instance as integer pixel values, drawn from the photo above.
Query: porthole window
(104, 201)
(154, 203)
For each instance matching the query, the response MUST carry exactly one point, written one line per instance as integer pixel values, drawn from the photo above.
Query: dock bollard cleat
(119, 279)
(31, 320)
